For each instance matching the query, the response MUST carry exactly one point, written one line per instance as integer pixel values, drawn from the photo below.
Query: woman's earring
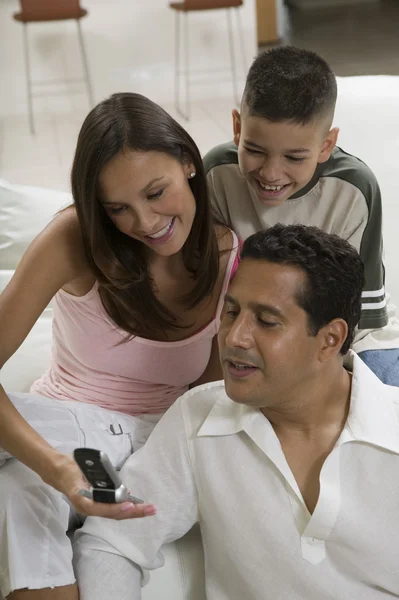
(192, 174)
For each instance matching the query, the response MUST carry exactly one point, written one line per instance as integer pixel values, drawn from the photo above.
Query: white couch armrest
(182, 577)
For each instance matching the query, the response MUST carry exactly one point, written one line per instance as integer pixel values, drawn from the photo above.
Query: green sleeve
(216, 201)
(223, 154)
(374, 310)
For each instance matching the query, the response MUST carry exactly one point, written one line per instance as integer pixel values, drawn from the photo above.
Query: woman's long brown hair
(123, 122)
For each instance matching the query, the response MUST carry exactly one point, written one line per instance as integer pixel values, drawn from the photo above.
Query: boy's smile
(279, 159)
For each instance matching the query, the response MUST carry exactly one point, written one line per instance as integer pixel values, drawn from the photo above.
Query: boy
(284, 167)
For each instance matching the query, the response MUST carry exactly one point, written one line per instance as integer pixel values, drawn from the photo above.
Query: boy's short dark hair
(290, 84)
(334, 272)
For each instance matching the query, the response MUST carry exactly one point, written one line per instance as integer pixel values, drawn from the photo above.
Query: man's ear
(236, 126)
(328, 145)
(332, 338)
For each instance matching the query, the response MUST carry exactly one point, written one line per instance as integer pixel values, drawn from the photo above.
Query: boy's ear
(236, 126)
(328, 145)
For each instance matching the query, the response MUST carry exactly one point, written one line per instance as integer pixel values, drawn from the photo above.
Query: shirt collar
(372, 416)
(226, 417)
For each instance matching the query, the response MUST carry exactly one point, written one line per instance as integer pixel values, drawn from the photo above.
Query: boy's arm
(160, 471)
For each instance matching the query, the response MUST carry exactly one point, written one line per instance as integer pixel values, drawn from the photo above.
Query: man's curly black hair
(334, 272)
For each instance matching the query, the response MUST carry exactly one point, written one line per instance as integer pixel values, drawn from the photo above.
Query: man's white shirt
(212, 461)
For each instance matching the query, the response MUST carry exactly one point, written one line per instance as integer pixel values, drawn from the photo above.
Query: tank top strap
(230, 270)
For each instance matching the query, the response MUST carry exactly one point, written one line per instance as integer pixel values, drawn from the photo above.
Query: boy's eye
(119, 210)
(252, 151)
(156, 195)
(296, 158)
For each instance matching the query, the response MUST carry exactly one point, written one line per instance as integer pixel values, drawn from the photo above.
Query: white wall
(281, 18)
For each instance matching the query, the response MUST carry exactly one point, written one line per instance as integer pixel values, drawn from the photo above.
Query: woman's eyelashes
(156, 195)
(118, 210)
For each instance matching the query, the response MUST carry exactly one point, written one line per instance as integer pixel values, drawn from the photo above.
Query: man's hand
(67, 478)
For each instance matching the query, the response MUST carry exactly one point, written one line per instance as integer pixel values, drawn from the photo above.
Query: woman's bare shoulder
(64, 233)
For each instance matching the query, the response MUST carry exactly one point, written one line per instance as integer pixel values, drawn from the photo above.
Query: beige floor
(130, 46)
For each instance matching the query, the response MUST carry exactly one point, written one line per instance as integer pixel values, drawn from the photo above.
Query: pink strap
(237, 259)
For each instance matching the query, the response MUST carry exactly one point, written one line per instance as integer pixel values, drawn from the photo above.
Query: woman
(138, 271)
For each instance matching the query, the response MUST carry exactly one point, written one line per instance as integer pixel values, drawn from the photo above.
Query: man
(289, 465)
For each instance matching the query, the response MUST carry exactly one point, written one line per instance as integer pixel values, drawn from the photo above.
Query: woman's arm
(43, 270)
(54, 259)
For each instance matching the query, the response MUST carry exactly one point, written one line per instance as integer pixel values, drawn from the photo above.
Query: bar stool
(34, 11)
(184, 8)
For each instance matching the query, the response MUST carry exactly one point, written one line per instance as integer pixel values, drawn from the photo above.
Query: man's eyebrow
(266, 308)
(230, 299)
(257, 307)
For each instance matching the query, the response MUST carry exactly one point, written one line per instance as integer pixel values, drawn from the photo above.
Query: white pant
(35, 551)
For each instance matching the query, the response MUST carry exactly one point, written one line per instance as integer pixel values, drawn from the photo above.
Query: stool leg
(187, 53)
(177, 61)
(85, 65)
(28, 79)
(232, 58)
(186, 72)
(241, 36)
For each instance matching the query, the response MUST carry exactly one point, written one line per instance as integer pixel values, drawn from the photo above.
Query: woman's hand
(67, 478)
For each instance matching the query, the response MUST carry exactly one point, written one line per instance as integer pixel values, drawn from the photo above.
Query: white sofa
(367, 114)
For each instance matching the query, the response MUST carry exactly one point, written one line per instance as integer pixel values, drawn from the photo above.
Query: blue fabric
(384, 363)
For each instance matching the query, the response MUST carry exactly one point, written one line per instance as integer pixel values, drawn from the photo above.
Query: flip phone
(106, 485)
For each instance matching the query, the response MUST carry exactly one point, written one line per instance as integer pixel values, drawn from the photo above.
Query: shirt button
(313, 549)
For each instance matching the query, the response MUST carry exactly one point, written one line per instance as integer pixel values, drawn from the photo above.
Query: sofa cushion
(366, 113)
(33, 356)
(182, 576)
(24, 212)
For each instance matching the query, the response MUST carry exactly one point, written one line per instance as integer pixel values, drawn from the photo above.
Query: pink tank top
(89, 364)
